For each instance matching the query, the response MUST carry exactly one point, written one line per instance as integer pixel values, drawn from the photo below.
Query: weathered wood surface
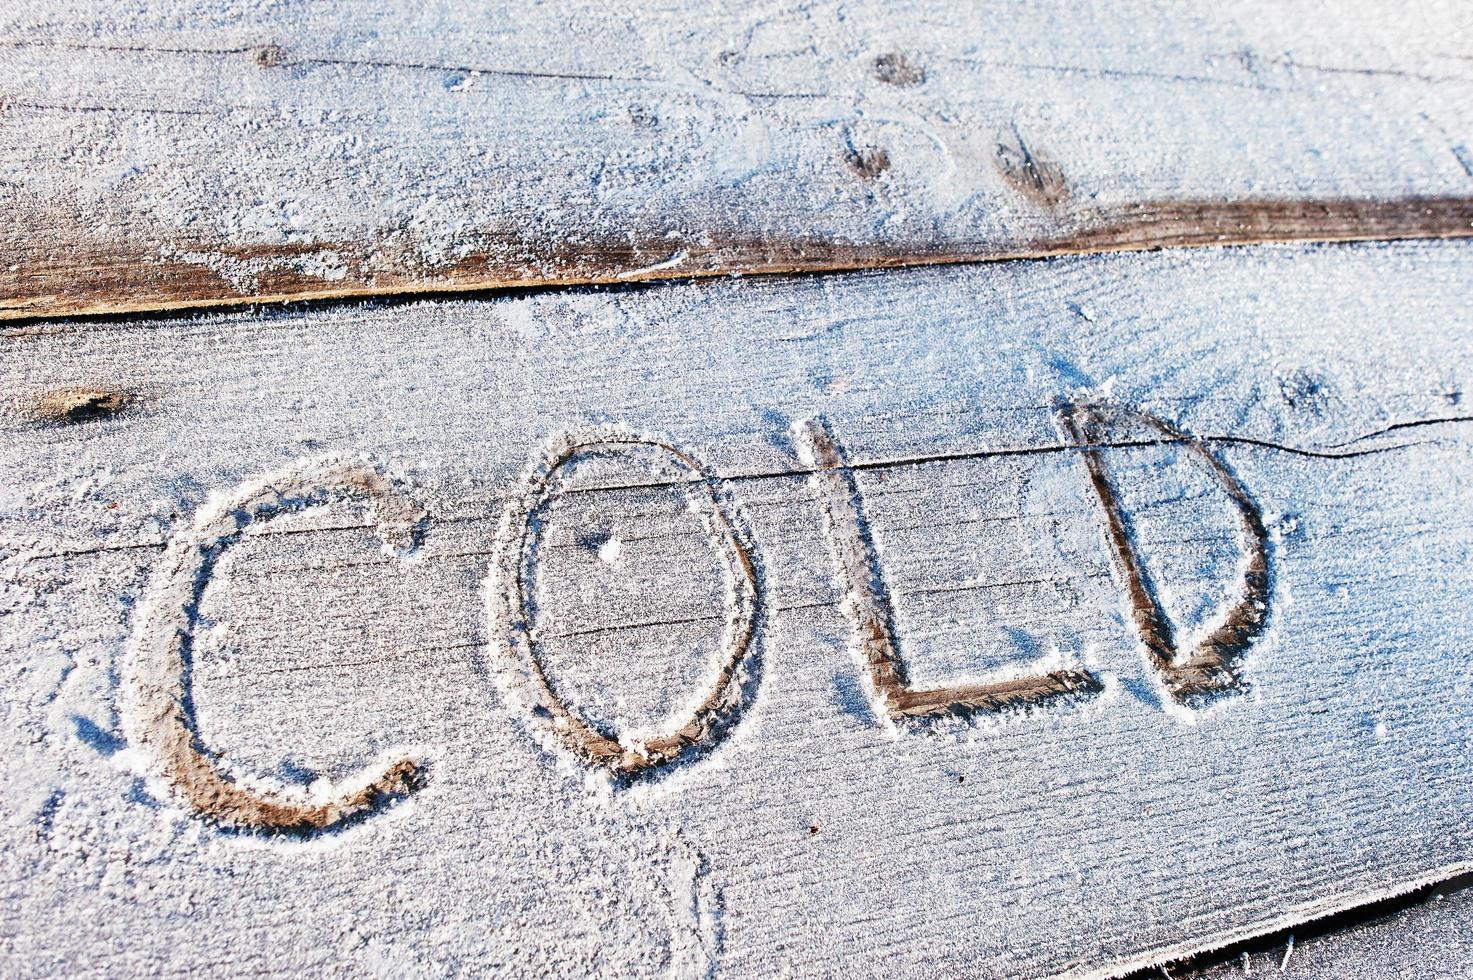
(190, 152)
(808, 834)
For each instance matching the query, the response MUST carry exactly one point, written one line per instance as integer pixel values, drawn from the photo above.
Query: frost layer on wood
(199, 151)
(811, 836)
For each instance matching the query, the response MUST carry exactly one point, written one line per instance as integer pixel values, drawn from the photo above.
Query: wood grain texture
(810, 837)
(206, 151)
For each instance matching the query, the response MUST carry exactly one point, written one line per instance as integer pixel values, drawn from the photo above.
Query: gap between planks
(1338, 926)
(1307, 922)
(78, 283)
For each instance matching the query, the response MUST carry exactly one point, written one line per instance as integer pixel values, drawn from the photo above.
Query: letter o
(506, 601)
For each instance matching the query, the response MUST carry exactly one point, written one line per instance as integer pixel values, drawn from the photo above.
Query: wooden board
(193, 152)
(195, 477)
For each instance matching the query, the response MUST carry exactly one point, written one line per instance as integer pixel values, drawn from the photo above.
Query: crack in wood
(928, 459)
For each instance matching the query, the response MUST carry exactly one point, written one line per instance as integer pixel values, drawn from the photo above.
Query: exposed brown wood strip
(100, 279)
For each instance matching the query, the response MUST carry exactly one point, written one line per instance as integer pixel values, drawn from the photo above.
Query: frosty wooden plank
(198, 152)
(808, 835)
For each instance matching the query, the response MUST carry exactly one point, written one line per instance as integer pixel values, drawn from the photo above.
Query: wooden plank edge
(121, 281)
(1330, 912)
(1281, 943)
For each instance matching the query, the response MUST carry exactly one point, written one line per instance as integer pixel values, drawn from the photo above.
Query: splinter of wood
(1214, 667)
(506, 598)
(157, 714)
(869, 606)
